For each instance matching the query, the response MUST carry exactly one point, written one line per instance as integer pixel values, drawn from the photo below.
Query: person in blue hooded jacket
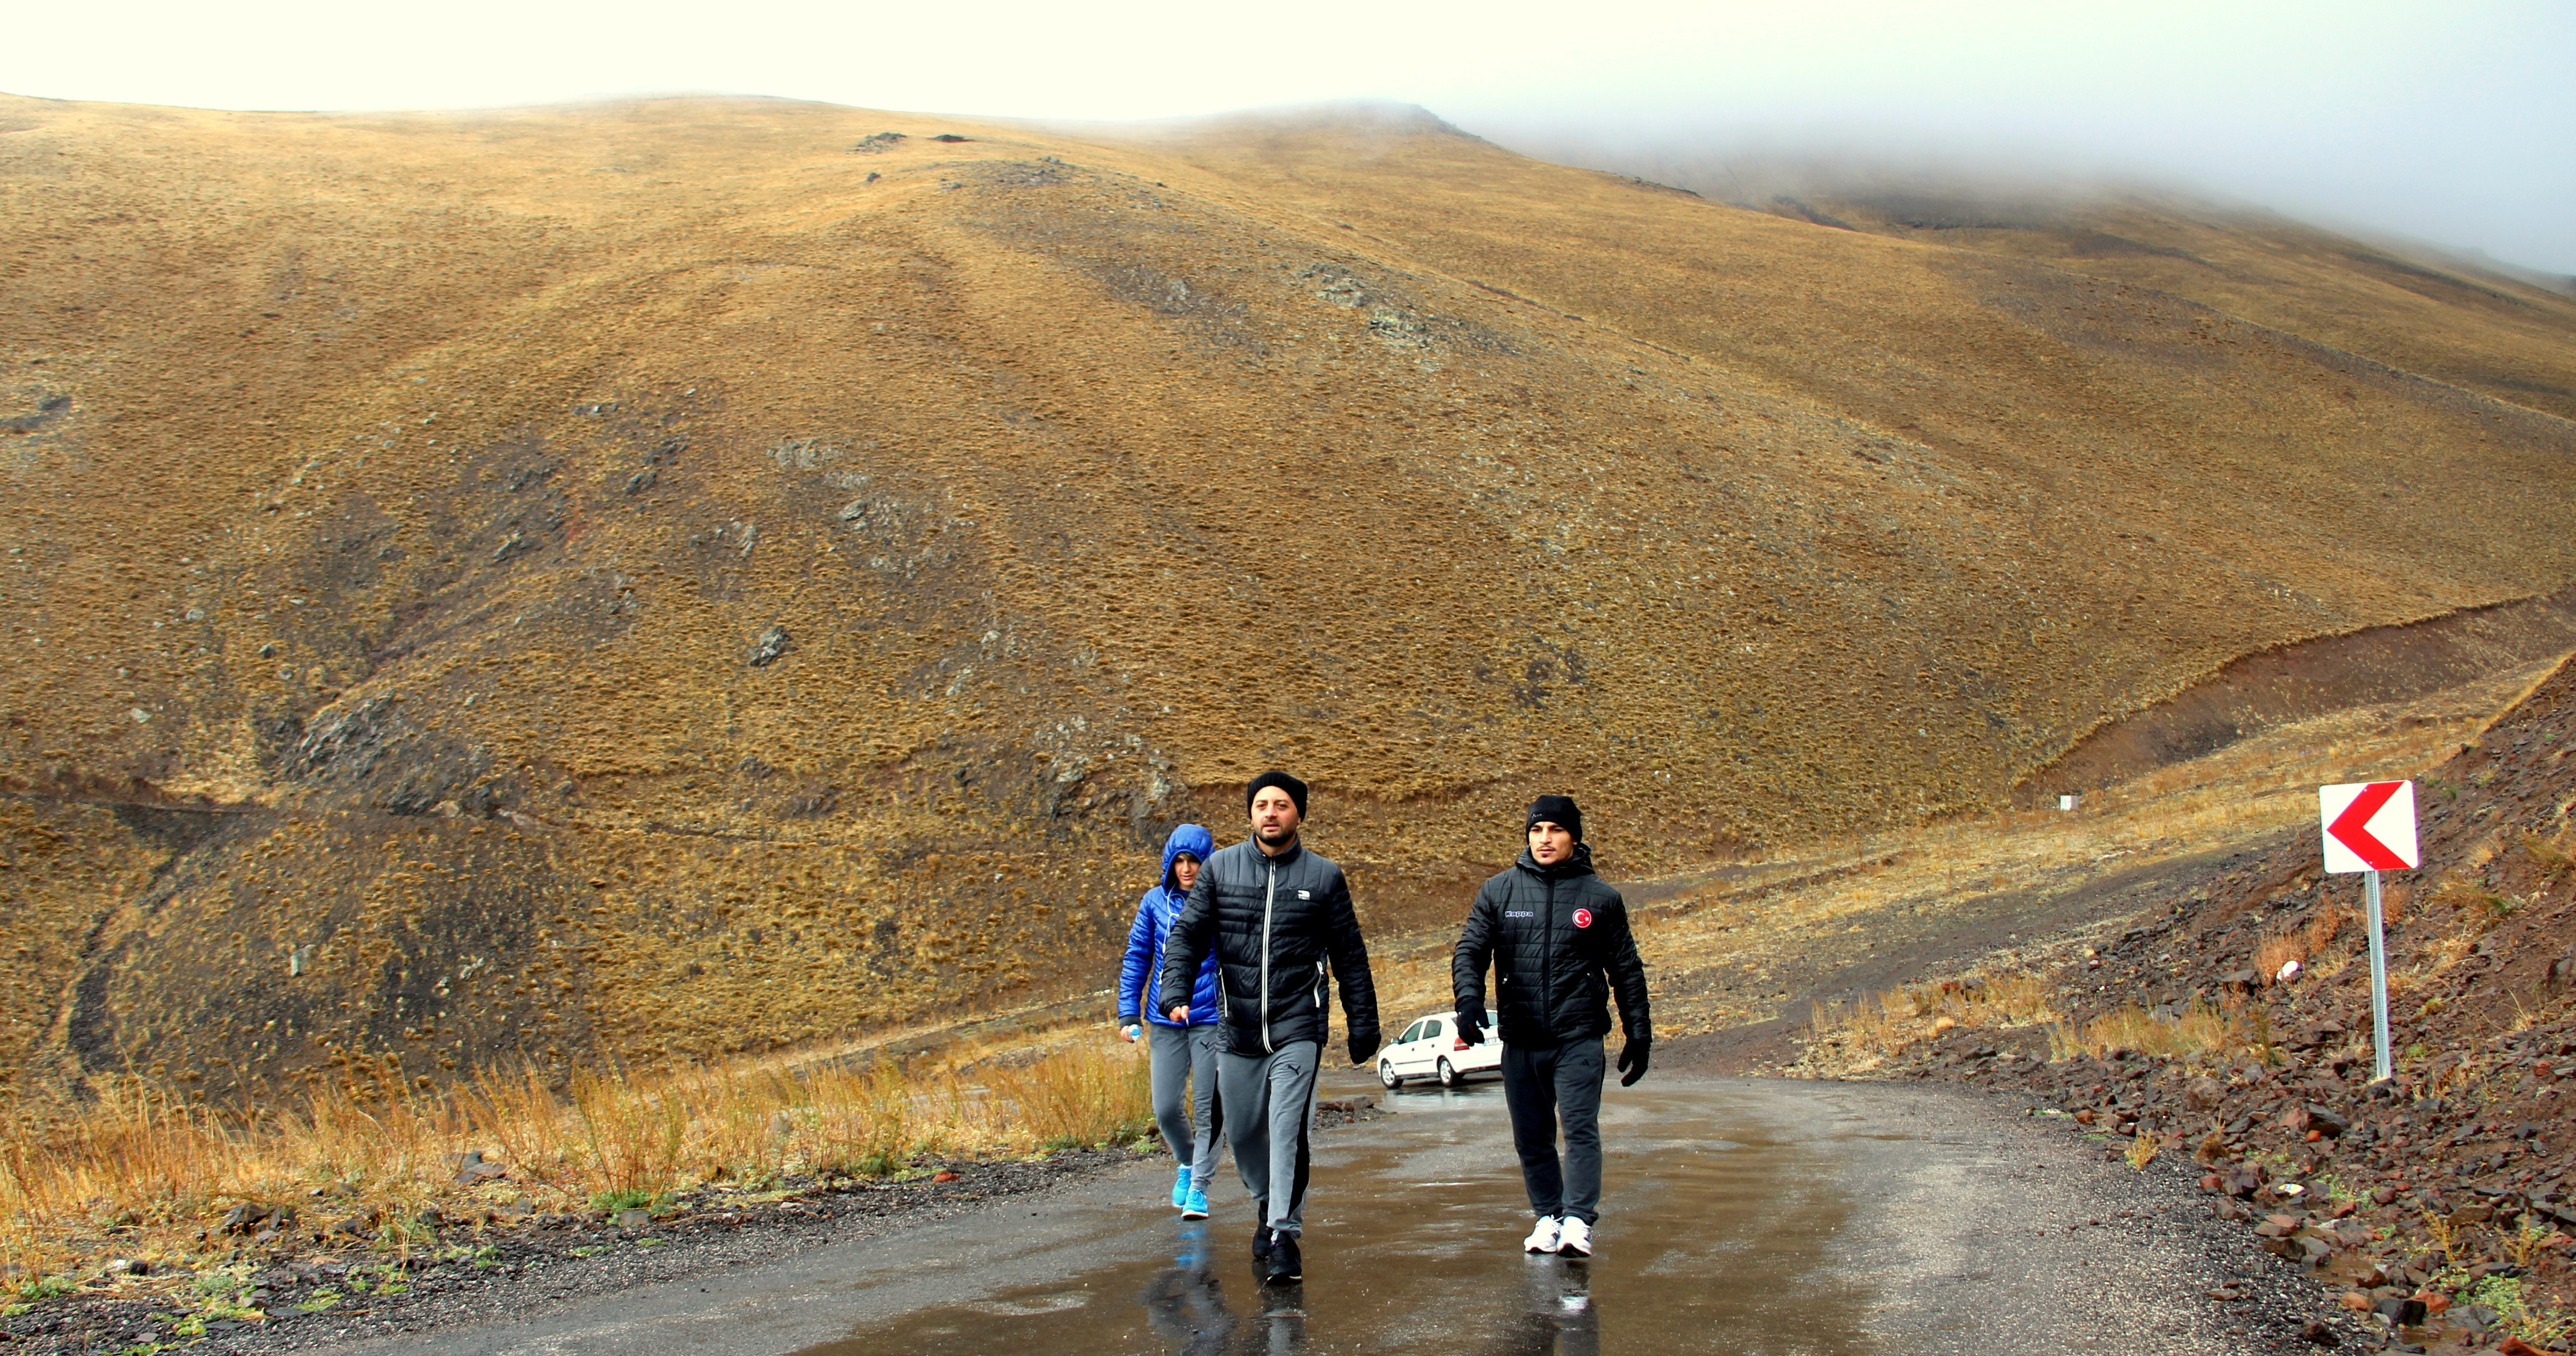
(1184, 1055)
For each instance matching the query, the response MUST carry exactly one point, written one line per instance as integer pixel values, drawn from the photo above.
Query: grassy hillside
(692, 576)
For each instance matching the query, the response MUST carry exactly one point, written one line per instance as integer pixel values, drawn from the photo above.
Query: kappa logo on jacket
(1583, 918)
(1305, 894)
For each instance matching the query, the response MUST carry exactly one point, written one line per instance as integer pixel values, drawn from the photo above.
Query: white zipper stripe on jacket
(1269, 894)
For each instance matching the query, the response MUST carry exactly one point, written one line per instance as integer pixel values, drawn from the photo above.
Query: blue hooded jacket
(1141, 974)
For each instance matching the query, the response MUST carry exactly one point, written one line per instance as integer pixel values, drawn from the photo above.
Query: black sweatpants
(1542, 1086)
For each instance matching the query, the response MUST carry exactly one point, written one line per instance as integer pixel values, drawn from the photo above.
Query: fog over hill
(685, 576)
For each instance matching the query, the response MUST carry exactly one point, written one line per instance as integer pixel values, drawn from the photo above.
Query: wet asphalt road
(1749, 1216)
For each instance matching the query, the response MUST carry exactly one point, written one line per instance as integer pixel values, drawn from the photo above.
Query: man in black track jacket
(1559, 944)
(1277, 916)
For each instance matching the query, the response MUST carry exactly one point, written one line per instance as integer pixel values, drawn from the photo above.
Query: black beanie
(1296, 789)
(1558, 810)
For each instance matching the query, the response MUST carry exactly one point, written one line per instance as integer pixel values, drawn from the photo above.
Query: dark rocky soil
(2437, 1205)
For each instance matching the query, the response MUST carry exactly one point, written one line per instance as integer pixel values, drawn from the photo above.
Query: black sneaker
(1261, 1242)
(1284, 1265)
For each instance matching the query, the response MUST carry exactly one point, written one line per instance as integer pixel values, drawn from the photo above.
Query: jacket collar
(1580, 864)
(1295, 851)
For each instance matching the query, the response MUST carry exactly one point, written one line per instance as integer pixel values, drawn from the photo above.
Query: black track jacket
(1558, 939)
(1275, 922)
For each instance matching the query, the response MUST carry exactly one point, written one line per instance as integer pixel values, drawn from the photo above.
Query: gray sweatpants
(1184, 1059)
(1269, 1101)
(1542, 1086)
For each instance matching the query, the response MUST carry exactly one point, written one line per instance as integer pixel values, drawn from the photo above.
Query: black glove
(1363, 1045)
(1471, 1027)
(1632, 1060)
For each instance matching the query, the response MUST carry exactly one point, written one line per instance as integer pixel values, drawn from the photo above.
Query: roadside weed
(45, 1287)
(2543, 1325)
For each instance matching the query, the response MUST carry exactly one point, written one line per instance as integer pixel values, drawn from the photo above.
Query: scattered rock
(771, 644)
(471, 1168)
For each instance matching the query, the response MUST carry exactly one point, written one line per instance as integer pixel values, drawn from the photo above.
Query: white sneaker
(1542, 1238)
(1574, 1238)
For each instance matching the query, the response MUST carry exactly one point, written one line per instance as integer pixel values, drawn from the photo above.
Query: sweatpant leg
(1205, 1106)
(1291, 1112)
(1243, 1094)
(1579, 1068)
(1529, 1091)
(1170, 1047)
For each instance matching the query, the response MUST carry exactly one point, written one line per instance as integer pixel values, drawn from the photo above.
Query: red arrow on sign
(2352, 827)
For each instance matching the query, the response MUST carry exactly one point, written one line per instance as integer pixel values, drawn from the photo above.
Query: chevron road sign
(2370, 826)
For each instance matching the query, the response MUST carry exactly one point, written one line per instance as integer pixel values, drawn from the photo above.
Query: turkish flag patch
(1583, 918)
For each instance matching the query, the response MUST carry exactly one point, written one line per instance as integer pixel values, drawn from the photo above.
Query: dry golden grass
(2555, 853)
(1878, 1026)
(141, 1157)
(2305, 943)
(2203, 1033)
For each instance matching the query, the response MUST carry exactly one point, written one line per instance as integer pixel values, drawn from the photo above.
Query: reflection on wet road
(1741, 1216)
(1413, 1244)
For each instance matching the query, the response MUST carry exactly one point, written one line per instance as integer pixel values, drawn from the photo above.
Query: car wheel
(1386, 1074)
(1449, 1076)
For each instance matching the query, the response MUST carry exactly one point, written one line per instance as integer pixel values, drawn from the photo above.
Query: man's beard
(1273, 837)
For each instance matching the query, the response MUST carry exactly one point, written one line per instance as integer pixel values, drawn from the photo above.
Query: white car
(1430, 1048)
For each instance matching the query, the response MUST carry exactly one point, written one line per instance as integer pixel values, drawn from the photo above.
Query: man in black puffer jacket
(1558, 940)
(1276, 915)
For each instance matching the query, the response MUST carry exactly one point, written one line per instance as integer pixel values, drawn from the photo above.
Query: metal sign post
(2378, 983)
(2370, 827)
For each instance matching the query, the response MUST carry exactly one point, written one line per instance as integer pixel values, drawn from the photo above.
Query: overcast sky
(2453, 122)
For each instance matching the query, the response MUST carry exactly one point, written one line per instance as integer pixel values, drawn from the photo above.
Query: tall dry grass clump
(2201, 1033)
(2303, 943)
(2553, 853)
(1884, 1024)
(1085, 1095)
(609, 1137)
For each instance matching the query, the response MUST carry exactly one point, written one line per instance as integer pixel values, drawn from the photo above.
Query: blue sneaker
(1181, 1191)
(1194, 1206)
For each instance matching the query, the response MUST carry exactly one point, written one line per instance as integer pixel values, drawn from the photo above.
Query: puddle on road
(1716, 1236)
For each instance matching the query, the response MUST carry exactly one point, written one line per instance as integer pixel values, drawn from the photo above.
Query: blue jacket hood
(1189, 838)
